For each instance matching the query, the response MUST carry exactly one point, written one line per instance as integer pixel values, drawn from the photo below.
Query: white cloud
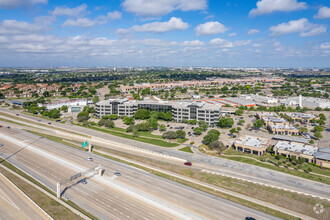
(114, 15)
(242, 42)
(11, 4)
(11, 27)
(256, 45)
(85, 22)
(210, 28)
(71, 12)
(253, 31)
(232, 34)
(221, 43)
(323, 12)
(302, 26)
(155, 8)
(325, 46)
(269, 6)
(193, 43)
(158, 27)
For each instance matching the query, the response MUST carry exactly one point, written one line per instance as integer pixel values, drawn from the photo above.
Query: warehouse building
(309, 102)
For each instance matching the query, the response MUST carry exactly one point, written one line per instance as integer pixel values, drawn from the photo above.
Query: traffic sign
(84, 144)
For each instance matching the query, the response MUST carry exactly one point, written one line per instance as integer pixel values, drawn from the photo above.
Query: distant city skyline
(196, 33)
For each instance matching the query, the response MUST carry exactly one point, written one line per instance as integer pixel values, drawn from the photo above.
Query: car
(89, 159)
(39, 120)
(117, 174)
(58, 120)
(0, 126)
(8, 126)
(1, 145)
(49, 123)
(17, 114)
(249, 218)
(83, 181)
(187, 163)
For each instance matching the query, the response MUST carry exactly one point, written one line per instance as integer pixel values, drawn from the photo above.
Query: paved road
(15, 205)
(135, 194)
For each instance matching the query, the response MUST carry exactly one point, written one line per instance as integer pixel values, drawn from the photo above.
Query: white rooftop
(296, 147)
(274, 119)
(287, 127)
(300, 115)
(267, 114)
(252, 141)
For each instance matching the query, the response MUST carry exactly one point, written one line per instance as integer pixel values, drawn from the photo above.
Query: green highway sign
(84, 144)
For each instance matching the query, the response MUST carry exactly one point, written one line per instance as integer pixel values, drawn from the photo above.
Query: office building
(251, 145)
(295, 149)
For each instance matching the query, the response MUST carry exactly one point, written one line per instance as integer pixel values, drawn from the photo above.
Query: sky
(196, 33)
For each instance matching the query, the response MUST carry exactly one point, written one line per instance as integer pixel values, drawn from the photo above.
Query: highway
(135, 194)
(211, 163)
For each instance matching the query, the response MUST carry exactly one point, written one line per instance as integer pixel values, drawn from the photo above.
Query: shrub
(169, 135)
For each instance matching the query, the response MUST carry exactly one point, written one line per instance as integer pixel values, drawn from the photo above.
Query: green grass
(141, 139)
(182, 140)
(186, 149)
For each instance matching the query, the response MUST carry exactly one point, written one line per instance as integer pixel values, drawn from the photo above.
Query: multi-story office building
(201, 111)
(251, 145)
(297, 150)
(301, 117)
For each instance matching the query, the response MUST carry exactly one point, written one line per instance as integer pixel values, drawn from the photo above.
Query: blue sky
(235, 33)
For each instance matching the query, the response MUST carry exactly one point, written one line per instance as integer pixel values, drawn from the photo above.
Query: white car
(89, 158)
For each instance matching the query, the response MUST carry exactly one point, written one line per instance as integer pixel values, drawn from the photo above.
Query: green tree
(193, 121)
(82, 116)
(241, 122)
(95, 99)
(303, 129)
(239, 112)
(318, 135)
(322, 117)
(232, 131)
(318, 128)
(168, 116)
(180, 134)
(169, 135)
(113, 117)
(218, 146)
(258, 123)
(135, 133)
(64, 108)
(225, 122)
(198, 130)
(128, 120)
(102, 122)
(209, 138)
(142, 114)
(203, 125)
(213, 131)
(238, 129)
(320, 122)
(162, 127)
(110, 124)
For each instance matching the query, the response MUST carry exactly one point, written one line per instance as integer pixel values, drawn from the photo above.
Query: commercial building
(251, 145)
(261, 115)
(274, 121)
(309, 102)
(232, 101)
(307, 118)
(295, 149)
(181, 111)
(260, 99)
(322, 157)
(283, 129)
(75, 102)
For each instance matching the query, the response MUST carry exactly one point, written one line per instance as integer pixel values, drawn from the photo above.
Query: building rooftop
(267, 114)
(290, 138)
(274, 120)
(323, 153)
(287, 127)
(297, 147)
(252, 141)
(300, 115)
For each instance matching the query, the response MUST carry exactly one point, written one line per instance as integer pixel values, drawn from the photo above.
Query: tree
(198, 130)
(238, 129)
(168, 116)
(225, 122)
(162, 127)
(82, 116)
(135, 133)
(203, 125)
(303, 129)
(241, 122)
(209, 138)
(239, 112)
(142, 114)
(320, 122)
(318, 135)
(218, 146)
(64, 108)
(128, 120)
(113, 117)
(318, 128)
(180, 134)
(322, 117)
(193, 121)
(95, 99)
(46, 94)
(258, 123)
(110, 124)
(169, 135)
(232, 131)
(213, 131)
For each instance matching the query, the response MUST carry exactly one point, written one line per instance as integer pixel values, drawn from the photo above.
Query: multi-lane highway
(220, 165)
(135, 194)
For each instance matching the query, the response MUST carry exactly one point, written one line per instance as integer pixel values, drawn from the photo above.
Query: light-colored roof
(299, 115)
(287, 127)
(290, 138)
(252, 141)
(274, 119)
(296, 147)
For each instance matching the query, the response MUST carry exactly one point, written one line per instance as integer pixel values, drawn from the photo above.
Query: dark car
(49, 123)
(188, 163)
(249, 218)
(117, 174)
(83, 181)
(17, 114)
(8, 126)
